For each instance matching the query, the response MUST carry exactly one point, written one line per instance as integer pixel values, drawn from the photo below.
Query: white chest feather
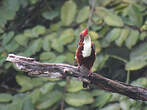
(87, 47)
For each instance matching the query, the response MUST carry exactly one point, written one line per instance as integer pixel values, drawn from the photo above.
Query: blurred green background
(48, 30)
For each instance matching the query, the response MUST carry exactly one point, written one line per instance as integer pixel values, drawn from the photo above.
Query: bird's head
(85, 41)
(84, 33)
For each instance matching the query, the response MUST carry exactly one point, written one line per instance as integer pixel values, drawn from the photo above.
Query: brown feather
(85, 61)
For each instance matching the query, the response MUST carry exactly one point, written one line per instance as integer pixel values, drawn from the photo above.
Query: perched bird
(85, 53)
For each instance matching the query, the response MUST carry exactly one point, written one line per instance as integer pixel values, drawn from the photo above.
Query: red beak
(84, 33)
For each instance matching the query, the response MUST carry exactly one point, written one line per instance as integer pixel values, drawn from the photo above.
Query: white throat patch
(87, 46)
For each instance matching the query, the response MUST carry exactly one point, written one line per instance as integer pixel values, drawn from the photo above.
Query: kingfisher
(85, 53)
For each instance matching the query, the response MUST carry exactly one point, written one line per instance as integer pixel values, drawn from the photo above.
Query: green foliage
(48, 100)
(66, 37)
(109, 17)
(74, 86)
(68, 12)
(49, 31)
(5, 97)
(50, 15)
(79, 99)
(83, 14)
(102, 99)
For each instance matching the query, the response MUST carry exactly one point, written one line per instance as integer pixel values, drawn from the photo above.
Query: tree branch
(62, 71)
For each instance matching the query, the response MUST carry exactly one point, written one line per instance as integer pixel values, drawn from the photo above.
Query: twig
(51, 70)
(92, 2)
(64, 92)
(128, 77)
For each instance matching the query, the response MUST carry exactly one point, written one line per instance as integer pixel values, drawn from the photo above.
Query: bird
(85, 53)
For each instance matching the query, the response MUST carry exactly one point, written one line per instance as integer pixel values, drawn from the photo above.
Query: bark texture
(62, 71)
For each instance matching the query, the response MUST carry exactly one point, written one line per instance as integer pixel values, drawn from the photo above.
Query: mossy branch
(62, 71)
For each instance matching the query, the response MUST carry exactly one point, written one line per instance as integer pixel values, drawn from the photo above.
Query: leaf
(96, 92)
(46, 44)
(3, 107)
(102, 12)
(50, 15)
(57, 45)
(7, 38)
(33, 1)
(74, 85)
(35, 96)
(60, 59)
(61, 83)
(123, 36)
(135, 15)
(141, 82)
(98, 46)
(4, 97)
(113, 20)
(136, 64)
(67, 36)
(93, 35)
(72, 47)
(69, 58)
(83, 14)
(68, 12)
(8, 11)
(115, 97)
(143, 36)
(17, 102)
(49, 100)
(1, 30)
(79, 98)
(28, 33)
(12, 5)
(51, 36)
(56, 26)
(71, 108)
(24, 3)
(137, 55)
(109, 17)
(3, 21)
(125, 105)
(102, 99)
(27, 104)
(7, 14)
(2, 59)
(104, 30)
(12, 46)
(113, 35)
(112, 107)
(25, 83)
(21, 39)
(34, 47)
(139, 51)
(47, 56)
(39, 30)
(35, 31)
(132, 39)
(101, 59)
(47, 88)
(110, 37)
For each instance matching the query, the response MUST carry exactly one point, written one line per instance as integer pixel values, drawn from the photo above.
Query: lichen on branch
(52, 70)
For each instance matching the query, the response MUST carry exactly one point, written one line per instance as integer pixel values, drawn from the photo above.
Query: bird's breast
(86, 52)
